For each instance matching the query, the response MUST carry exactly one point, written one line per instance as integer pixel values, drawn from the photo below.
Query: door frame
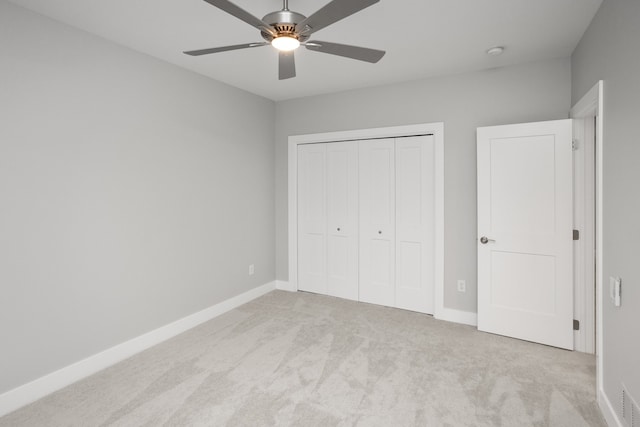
(584, 222)
(435, 129)
(592, 105)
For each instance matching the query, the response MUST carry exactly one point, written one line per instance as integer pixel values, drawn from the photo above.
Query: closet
(366, 220)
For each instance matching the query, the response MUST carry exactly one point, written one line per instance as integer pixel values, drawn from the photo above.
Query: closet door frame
(435, 129)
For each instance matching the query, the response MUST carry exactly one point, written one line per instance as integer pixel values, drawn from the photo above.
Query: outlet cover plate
(462, 286)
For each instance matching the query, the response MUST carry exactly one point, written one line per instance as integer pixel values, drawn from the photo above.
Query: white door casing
(377, 221)
(591, 105)
(525, 266)
(415, 223)
(342, 219)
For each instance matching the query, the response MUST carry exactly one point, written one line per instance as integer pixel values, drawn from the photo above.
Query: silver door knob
(484, 240)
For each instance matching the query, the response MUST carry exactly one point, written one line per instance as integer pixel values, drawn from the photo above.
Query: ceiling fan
(287, 30)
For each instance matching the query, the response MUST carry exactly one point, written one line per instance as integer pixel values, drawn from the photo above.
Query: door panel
(312, 234)
(409, 265)
(381, 278)
(527, 293)
(525, 275)
(342, 219)
(523, 175)
(415, 223)
(380, 163)
(377, 221)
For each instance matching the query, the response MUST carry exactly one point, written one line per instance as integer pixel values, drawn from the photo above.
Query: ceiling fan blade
(224, 48)
(241, 14)
(332, 12)
(286, 65)
(348, 51)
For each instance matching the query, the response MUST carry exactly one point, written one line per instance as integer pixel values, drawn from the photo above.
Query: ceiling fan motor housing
(284, 22)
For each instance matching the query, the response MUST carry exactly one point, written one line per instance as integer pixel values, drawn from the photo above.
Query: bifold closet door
(415, 223)
(366, 221)
(328, 219)
(312, 218)
(342, 219)
(377, 221)
(397, 222)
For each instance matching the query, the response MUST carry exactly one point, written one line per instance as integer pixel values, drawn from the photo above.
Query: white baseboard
(285, 286)
(448, 314)
(608, 412)
(34, 390)
(457, 316)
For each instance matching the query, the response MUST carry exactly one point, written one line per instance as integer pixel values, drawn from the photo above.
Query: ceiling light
(495, 51)
(285, 43)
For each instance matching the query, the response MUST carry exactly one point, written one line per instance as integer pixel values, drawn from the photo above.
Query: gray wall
(532, 92)
(609, 51)
(132, 193)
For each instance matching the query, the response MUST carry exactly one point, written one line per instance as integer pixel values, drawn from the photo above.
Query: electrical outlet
(251, 270)
(462, 286)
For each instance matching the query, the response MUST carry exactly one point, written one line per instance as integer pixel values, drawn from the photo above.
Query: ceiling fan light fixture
(285, 43)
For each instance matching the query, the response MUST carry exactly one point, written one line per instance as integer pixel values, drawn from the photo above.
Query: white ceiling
(423, 38)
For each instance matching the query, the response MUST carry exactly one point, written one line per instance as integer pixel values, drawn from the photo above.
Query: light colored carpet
(296, 359)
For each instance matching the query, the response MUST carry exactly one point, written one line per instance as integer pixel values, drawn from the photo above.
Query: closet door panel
(415, 223)
(342, 219)
(312, 222)
(377, 221)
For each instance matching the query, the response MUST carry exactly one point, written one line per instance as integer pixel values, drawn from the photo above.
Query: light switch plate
(615, 290)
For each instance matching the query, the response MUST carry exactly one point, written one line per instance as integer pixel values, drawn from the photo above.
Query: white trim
(592, 104)
(34, 390)
(589, 104)
(284, 285)
(579, 290)
(358, 134)
(435, 129)
(458, 316)
(608, 412)
(584, 221)
(439, 218)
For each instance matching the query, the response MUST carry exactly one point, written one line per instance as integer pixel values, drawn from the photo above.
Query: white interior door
(415, 223)
(525, 266)
(377, 221)
(312, 218)
(342, 219)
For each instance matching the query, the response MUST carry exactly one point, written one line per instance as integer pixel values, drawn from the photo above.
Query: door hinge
(574, 144)
(576, 325)
(576, 235)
